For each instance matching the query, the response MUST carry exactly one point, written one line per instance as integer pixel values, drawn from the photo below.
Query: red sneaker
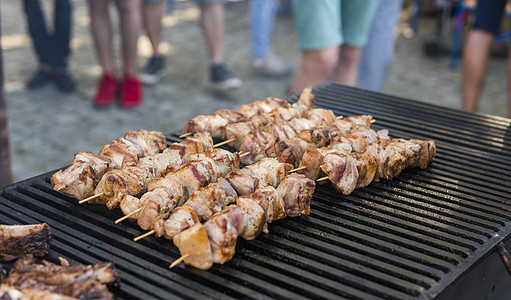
(131, 94)
(107, 89)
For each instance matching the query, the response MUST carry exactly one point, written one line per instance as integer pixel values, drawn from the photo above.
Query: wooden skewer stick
(322, 179)
(144, 235)
(185, 134)
(338, 117)
(372, 121)
(127, 216)
(298, 169)
(90, 198)
(244, 154)
(223, 143)
(59, 189)
(177, 261)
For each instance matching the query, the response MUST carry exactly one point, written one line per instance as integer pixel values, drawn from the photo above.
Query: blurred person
(331, 35)
(488, 15)
(212, 24)
(262, 18)
(130, 88)
(52, 48)
(378, 53)
(5, 157)
(152, 13)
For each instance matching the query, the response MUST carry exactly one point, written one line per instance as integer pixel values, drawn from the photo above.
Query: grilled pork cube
(98, 163)
(156, 203)
(259, 121)
(290, 151)
(192, 176)
(254, 217)
(270, 171)
(312, 160)
(19, 240)
(342, 171)
(232, 116)
(214, 124)
(272, 204)
(130, 204)
(319, 116)
(255, 143)
(225, 160)
(243, 181)
(279, 130)
(122, 153)
(369, 135)
(318, 136)
(222, 230)
(361, 120)
(301, 124)
(262, 107)
(115, 184)
(77, 181)
(194, 242)
(394, 161)
(296, 191)
(205, 202)
(170, 224)
(366, 167)
(307, 98)
(161, 163)
(151, 142)
(206, 140)
(237, 131)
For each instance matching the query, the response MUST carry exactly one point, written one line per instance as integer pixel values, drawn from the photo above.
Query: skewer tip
(244, 154)
(177, 261)
(185, 135)
(144, 235)
(322, 179)
(127, 216)
(297, 169)
(223, 143)
(90, 198)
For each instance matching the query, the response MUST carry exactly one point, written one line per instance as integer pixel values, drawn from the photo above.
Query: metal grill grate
(412, 237)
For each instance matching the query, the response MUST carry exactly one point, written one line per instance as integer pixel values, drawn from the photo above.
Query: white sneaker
(271, 66)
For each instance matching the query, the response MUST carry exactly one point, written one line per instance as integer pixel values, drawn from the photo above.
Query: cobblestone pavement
(48, 127)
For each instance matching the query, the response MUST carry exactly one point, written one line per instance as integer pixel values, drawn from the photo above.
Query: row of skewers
(200, 198)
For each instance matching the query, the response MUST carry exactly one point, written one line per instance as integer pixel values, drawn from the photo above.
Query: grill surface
(417, 236)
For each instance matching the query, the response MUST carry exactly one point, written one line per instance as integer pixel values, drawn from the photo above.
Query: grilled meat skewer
(80, 178)
(215, 240)
(203, 203)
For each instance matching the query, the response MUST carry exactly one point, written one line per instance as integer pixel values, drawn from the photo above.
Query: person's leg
(262, 19)
(316, 67)
(152, 12)
(41, 41)
(475, 61)
(101, 28)
(477, 50)
(61, 50)
(130, 17)
(317, 24)
(509, 85)
(356, 18)
(212, 24)
(378, 53)
(102, 34)
(346, 71)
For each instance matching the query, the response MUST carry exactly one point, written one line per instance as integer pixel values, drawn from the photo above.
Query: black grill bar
(408, 238)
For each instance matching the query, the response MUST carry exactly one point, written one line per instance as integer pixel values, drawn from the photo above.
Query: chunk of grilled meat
(215, 240)
(13, 293)
(19, 240)
(78, 281)
(151, 142)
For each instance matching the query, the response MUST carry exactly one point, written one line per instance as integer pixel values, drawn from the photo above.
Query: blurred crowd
(346, 41)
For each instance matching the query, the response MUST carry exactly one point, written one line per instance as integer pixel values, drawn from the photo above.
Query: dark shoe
(222, 78)
(40, 78)
(131, 94)
(107, 90)
(153, 71)
(64, 81)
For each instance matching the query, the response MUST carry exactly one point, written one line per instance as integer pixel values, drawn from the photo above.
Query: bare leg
(475, 62)
(316, 68)
(212, 24)
(129, 11)
(102, 33)
(347, 70)
(152, 14)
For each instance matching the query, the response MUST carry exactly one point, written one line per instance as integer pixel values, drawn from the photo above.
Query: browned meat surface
(272, 204)
(130, 204)
(116, 184)
(151, 142)
(13, 293)
(78, 281)
(296, 192)
(77, 181)
(19, 240)
(195, 243)
(254, 218)
(231, 115)
(342, 171)
(225, 160)
(122, 153)
(168, 225)
(222, 230)
(156, 203)
(237, 131)
(255, 143)
(214, 124)
(243, 181)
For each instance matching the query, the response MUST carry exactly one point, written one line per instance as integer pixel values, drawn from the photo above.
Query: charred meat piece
(151, 142)
(20, 240)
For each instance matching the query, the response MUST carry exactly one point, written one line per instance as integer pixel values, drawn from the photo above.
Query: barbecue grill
(441, 232)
